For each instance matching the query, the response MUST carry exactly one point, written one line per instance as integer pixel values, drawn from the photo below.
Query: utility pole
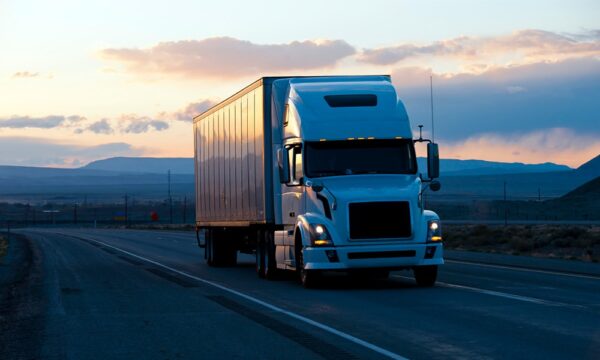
(126, 214)
(431, 101)
(184, 209)
(27, 209)
(505, 206)
(539, 194)
(170, 198)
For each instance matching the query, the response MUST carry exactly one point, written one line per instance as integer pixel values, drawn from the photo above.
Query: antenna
(431, 100)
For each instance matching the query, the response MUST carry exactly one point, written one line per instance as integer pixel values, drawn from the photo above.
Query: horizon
(516, 87)
(191, 158)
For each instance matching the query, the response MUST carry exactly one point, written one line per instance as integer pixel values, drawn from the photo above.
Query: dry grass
(179, 227)
(557, 241)
(3, 246)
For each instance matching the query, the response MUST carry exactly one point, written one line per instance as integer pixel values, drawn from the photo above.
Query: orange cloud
(225, 57)
(25, 74)
(522, 46)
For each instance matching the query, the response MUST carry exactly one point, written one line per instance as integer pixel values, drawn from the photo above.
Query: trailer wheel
(221, 248)
(208, 253)
(425, 275)
(260, 255)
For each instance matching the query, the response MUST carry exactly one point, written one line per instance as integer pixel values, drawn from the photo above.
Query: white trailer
(315, 174)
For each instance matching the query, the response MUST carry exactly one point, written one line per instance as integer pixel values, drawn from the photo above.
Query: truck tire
(260, 255)
(308, 278)
(220, 248)
(270, 262)
(208, 255)
(425, 275)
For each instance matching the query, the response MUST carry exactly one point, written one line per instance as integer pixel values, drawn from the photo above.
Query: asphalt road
(96, 294)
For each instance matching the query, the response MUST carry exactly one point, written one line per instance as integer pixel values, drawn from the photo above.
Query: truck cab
(349, 188)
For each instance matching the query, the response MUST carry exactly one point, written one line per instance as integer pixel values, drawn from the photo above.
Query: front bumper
(373, 256)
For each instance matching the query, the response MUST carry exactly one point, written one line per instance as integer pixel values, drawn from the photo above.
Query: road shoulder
(21, 300)
(525, 262)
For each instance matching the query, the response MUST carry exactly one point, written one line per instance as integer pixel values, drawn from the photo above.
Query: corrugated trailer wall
(229, 160)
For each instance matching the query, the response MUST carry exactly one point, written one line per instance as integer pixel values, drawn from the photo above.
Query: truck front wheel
(425, 275)
(308, 278)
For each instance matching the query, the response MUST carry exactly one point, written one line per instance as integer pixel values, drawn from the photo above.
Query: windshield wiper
(328, 173)
(354, 172)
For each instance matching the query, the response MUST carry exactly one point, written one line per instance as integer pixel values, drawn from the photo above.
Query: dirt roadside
(21, 300)
(572, 242)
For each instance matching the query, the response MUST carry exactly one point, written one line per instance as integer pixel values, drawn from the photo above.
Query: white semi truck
(315, 174)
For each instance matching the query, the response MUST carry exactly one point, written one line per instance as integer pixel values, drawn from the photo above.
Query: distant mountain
(592, 166)
(144, 165)
(589, 191)
(449, 167)
(462, 180)
(582, 202)
(456, 167)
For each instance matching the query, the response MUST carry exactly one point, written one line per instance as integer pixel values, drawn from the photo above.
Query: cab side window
(295, 163)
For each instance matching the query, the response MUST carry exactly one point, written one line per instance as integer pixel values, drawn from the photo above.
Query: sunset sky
(85, 80)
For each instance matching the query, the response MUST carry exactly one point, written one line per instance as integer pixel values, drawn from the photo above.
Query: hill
(144, 165)
(449, 166)
(592, 166)
(456, 167)
(589, 191)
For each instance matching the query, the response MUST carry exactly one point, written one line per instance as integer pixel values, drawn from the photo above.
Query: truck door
(293, 192)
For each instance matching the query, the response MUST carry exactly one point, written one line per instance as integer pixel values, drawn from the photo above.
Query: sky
(514, 81)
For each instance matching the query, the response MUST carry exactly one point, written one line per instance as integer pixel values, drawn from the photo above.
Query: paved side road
(144, 294)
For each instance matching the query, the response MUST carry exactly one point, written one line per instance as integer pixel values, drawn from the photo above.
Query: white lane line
(518, 268)
(499, 294)
(306, 320)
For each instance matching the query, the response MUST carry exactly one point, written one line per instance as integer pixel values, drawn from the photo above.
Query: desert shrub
(563, 242)
(479, 230)
(520, 244)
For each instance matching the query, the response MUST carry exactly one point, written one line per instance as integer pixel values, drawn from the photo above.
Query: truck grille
(380, 220)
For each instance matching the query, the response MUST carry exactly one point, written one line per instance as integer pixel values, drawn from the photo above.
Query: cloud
(558, 145)
(99, 127)
(47, 122)
(192, 110)
(226, 57)
(503, 100)
(25, 74)
(29, 151)
(141, 124)
(515, 89)
(522, 46)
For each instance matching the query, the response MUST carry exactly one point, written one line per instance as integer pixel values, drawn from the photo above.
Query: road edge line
(275, 308)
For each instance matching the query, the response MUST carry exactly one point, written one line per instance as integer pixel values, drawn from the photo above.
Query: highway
(122, 294)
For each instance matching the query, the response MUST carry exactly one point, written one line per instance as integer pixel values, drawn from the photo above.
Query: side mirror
(284, 168)
(433, 161)
(435, 185)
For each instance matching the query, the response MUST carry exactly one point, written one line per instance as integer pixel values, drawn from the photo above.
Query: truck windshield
(351, 157)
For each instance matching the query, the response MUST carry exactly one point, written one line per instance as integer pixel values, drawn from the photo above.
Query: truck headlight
(434, 231)
(319, 236)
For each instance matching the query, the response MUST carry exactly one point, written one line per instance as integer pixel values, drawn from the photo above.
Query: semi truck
(315, 174)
